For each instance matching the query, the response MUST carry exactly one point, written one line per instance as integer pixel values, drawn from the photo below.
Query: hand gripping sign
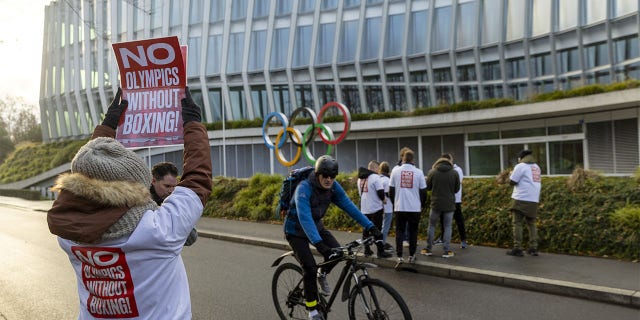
(302, 140)
(153, 80)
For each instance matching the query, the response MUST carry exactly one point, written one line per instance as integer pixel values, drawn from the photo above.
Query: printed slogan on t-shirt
(153, 80)
(106, 276)
(406, 179)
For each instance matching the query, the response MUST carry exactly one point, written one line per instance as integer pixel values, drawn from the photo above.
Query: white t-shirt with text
(407, 181)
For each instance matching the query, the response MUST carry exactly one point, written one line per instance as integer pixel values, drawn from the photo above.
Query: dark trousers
(300, 246)
(459, 219)
(412, 219)
(376, 218)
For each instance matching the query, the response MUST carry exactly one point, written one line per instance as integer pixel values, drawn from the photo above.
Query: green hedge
(590, 215)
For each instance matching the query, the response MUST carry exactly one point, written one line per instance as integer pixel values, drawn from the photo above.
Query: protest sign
(153, 79)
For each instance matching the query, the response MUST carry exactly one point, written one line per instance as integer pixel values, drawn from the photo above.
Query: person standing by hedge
(526, 179)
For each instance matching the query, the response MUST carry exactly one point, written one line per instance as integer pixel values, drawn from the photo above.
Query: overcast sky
(21, 28)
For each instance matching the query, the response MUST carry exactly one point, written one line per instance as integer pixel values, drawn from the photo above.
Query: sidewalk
(598, 279)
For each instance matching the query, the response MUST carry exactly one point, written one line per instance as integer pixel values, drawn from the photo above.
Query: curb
(623, 297)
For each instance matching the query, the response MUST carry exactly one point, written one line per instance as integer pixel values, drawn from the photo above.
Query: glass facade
(277, 55)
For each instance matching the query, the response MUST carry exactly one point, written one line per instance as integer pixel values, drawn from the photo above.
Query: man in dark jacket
(443, 182)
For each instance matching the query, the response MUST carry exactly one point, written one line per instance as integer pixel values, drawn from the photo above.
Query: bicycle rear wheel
(287, 292)
(380, 299)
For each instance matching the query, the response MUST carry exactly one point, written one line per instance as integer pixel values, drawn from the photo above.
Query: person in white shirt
(526, 179)
(371, 193)
(387, 219)
(408, 191)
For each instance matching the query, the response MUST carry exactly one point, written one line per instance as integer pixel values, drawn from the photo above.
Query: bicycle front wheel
(377, 300)
(288, 293)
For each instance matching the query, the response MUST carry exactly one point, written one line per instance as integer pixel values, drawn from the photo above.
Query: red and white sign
(153, 79)
(106, 275)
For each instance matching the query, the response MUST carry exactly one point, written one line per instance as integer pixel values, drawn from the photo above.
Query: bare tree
(19, 118)
(6, 145)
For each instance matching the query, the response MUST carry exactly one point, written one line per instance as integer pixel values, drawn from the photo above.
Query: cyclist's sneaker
(325, 288)
(388, 247)
(412, 259)
(463, 244)
(448, 254)
(382, 254)
(533, 252)
(400, 260)
(438, 242)
(315, 315)
(516, 252)
(426, 252)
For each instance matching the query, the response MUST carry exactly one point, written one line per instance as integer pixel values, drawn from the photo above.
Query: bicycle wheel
(381, 299)
(287, 292)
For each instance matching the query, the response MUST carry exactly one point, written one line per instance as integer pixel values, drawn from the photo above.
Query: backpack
(288, 187)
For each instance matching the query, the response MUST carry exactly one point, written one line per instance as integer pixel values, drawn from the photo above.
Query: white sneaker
(412, 259)
(401, 260)
(405, 243)
(325, 288)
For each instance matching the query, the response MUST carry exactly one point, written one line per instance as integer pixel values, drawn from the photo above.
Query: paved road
(232, 281)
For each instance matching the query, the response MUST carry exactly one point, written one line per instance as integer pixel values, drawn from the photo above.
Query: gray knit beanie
(108, 160)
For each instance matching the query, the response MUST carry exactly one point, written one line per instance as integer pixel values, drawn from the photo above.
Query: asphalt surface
(598, 279)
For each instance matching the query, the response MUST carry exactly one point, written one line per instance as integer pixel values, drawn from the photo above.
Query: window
(371, 38)
(466, 24)
(394, 35)
(279, 48)
(305, 6)
(441, 32)
(420, 97)
(491, 21)
(565, 156)
(304, 96)
(175, 17)
(541, 20)
(624, 7)
(324, 49)
(348, 41)
(328, 4)
(469, 93)
(214, 54)
(216, 11)
(397, 98)
(238, 9)
(256, 51)
(302, 46)
(419, 76)
(238, 103)
(195, 11)
(442, 75)
(193, 55)
(326, 94)
(596, 55)
(484, 160)
(567, 14)
(236, 47)
(282, 99)
(417, 41)
(541, 65)
(467, 73)
(351, 3)
(518, 91)
(516, 68)
(395, 77)
(491, 70)
(351, 98)
(260, 8)
(492, 91)
(156, 14)
(515, 19)
(626, 49)
(568, 60)
(215, 103)
(444, 95)
(283, 7)
(375, 102)
(596, 10)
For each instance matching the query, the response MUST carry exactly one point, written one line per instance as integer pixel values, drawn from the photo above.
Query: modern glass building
(249, 58)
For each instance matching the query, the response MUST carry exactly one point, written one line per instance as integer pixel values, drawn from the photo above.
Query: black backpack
(289, 185)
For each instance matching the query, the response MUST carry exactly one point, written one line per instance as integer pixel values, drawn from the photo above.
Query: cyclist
(303, 225)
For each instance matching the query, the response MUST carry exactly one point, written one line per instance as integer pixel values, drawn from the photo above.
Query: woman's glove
(190, 110)
(116, 108)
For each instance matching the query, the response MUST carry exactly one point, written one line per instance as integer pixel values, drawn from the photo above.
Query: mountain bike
(368, 298)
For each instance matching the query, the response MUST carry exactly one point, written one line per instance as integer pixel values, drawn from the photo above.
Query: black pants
(300, 246)
(412, 219)
(459, 218)
(376, 218)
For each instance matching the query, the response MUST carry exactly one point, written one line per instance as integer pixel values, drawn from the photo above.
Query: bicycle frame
(350, 272)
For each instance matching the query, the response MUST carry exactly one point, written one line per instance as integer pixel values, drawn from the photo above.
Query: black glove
(373, 231)
(190, 110)
(192, 238)
(324, 249)
(116, 108)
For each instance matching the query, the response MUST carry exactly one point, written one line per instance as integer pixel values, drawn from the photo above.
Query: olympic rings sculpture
(302, 140)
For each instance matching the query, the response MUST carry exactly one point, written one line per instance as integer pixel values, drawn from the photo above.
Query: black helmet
(327, 166)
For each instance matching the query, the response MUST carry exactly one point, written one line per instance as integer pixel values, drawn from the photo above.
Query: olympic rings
(302, 140)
